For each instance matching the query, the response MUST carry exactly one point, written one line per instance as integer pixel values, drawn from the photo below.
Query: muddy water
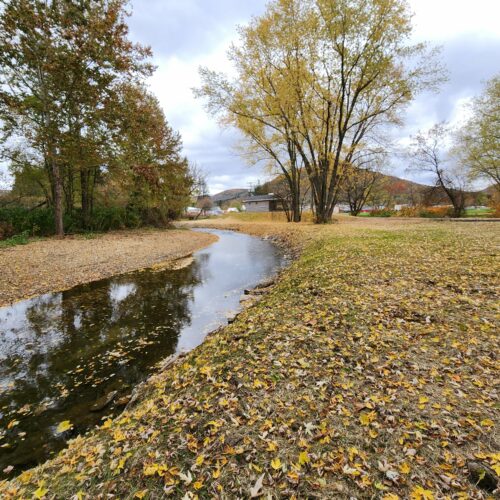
(64, 355)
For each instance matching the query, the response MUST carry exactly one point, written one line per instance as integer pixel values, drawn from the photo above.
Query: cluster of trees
(316, 82)
(77, 124)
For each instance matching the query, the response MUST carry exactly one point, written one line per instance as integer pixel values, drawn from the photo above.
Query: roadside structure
(264, 203)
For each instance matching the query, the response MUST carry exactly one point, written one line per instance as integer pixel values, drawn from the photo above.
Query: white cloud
(188, 34)
(439, 20)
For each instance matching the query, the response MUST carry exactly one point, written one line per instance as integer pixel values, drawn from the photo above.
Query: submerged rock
(483, 476)
(101, 403)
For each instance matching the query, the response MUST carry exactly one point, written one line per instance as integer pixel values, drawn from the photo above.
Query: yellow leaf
(199, 460)
(390, 496)
(25, 477)
(198, 485)
(119, 436)
(64, 426)
(404, 468)
(423, 400)
(276, 464)
(216, 473)
(367, 418)
(419, 493)
(140, 494)
(304, 458)
(271, 446)
(151, 469)
(41, 491)
(107, 424)
(487, 422)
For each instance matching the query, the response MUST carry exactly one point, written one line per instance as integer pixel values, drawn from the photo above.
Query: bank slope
(368, 371)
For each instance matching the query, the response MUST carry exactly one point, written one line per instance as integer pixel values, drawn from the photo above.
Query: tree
(360, 178)
(199, 184)
(429, 153)
(149, 165)
(478, 141)
(320, 75)
(280, 188)
(60, 64)
(205, 204)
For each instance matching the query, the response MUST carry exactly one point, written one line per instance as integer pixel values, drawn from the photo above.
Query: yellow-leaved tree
(314, 79)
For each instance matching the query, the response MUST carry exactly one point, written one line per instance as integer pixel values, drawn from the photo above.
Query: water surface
(61, 354)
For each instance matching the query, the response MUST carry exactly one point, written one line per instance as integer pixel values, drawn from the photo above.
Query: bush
(435, 212)
(409, 212)
(495, 208)
(40, 222)
(34, 222)
(6, 230)
(426, 212)
(382, 212)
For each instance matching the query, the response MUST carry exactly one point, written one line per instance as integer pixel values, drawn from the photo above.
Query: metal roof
(265, 197)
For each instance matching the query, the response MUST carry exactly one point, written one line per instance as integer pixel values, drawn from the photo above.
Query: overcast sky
(189, 33)
(185, 34)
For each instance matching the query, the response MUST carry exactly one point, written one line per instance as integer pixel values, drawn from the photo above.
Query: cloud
(190, 33)
(198, 32)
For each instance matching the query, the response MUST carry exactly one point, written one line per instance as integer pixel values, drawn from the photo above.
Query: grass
(368, 371)
(18, 239)
(479, 212)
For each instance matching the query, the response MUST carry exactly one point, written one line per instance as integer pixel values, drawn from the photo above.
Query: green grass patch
(18, 239)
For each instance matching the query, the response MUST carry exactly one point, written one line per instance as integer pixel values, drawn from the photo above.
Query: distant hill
(395, 190)
(230, 195)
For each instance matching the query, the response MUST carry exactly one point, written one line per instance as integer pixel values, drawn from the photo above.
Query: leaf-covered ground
(370, 370)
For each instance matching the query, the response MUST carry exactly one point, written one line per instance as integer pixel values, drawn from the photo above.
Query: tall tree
(61, 62)
(323, 74)
(157, 178)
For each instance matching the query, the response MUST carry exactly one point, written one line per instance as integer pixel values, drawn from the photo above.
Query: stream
(64, 355)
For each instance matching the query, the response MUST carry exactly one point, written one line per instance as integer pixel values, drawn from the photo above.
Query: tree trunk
(84, 185)
(297, 216)
(58, 199)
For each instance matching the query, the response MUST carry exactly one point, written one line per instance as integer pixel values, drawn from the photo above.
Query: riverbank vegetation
(87, 144)
(368, 370)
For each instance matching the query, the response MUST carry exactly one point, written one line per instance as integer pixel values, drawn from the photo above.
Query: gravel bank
(53, 265)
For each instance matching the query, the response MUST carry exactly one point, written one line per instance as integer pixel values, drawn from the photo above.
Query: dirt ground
(53, 265)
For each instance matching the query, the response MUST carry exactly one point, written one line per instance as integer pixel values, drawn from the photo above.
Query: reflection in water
(62, 352)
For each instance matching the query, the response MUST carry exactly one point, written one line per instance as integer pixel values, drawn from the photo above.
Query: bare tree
(361, 177)
(429, 153)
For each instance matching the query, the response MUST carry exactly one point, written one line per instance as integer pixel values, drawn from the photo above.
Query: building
(264, 203)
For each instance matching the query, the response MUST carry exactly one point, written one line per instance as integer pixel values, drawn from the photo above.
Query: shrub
(40, 222)
(382, 212)
(426, 212)
(34, 222)
(6, 230)
(435, 212)
(495, 208)
(409, 212)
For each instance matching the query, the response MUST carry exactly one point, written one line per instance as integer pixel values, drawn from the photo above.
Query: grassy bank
(368, 371)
